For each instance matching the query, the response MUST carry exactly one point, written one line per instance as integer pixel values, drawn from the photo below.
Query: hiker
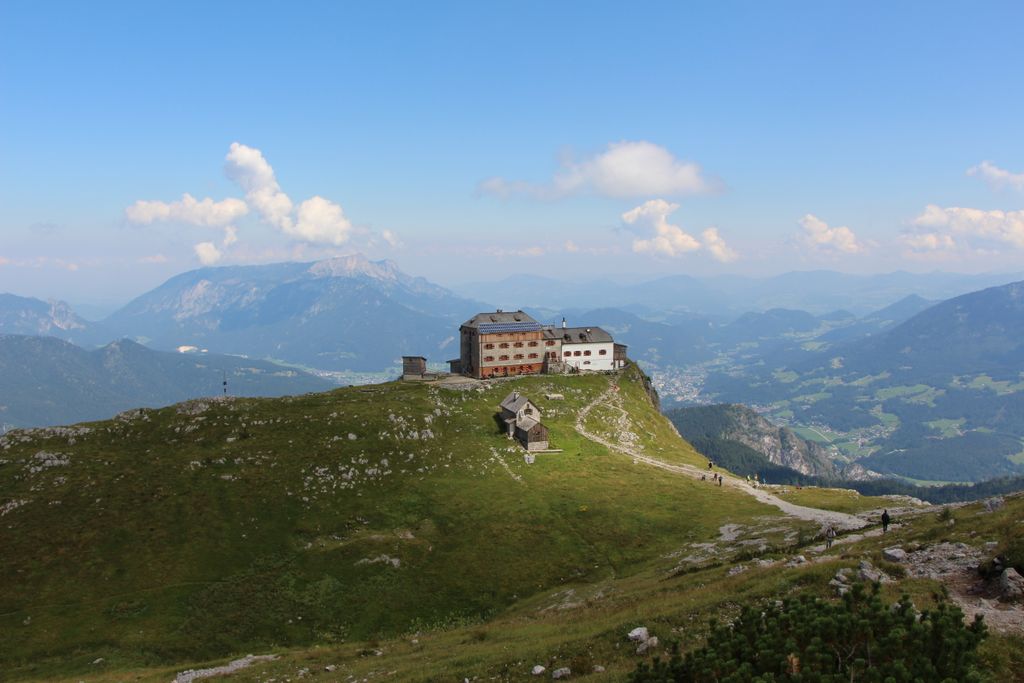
(703, 477)
(710, 465)
(885, 520)
(830, 536)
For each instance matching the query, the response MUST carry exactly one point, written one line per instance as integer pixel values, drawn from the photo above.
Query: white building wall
(596, 360)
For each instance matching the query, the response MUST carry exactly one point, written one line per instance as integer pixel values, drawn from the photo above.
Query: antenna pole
(225, 382)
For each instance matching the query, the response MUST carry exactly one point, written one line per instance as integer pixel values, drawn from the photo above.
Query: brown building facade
(505, 344)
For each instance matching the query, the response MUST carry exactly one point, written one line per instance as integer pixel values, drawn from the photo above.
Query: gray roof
(514, 402)
(526, 424)
(503, 318)
(582, 335)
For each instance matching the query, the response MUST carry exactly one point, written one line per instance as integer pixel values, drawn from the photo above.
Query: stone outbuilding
(522, 422)
(414, 367)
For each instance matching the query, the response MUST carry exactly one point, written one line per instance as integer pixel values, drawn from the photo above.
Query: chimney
(515, 395)
(563, 323)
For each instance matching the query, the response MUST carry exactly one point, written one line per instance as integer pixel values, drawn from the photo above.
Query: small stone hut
(414, 367)
(522, 422)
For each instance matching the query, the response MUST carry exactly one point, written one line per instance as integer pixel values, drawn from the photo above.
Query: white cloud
(230, 236)
(714, 243)
(320, 220)
(624, 169)
(1005, 227)
(997, 178)
(316, 220)
(929, 241)
(571, 247)
(188, 209)
(818, 235)
(208, 253)
(154, 258)
(650, 220)
(247, 167)
(392, 239)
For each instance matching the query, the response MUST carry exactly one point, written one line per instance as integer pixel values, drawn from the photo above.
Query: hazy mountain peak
(354, 265)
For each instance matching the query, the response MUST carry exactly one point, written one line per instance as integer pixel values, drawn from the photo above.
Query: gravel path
(229, 668)
(610, 398)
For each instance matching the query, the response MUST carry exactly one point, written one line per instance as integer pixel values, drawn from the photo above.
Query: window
(586, 353)
(488, 346)
(586, 362)
(549, 342)
(575, 353)
(519, 345)
(533, 343)
(503, 345)
(533, 355)
(488, 359)
(518, 356)
(503, 358)
(568, 353)
(603, 352)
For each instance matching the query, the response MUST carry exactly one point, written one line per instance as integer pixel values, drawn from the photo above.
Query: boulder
(647, 645)
(867, 572)
(993, 504)
(563, 672)
(894, 554)
(538, 670)
(598, 669)
(639, 634)
(1011, 585)
(798, 560)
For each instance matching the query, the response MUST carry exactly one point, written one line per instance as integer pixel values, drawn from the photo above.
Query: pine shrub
(810, 640)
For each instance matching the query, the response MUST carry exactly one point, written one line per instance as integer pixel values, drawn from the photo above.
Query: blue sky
(474, 140)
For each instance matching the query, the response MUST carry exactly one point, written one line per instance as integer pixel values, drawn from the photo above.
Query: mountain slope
(340, 314)
(47, 381)
(879, 321)
(23, 315)
(977, 332)
(739, 424)
(216, 527)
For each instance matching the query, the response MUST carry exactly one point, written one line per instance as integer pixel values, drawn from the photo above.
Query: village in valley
(504, 344)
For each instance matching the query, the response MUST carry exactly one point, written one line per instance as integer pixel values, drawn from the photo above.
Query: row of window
(518, 356)
(602, 352)
(519, 345)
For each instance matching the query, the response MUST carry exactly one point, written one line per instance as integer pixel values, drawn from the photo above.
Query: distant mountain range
(340, 314)
(816, 292)
(47, 381)
(937, 397)
(23, 315)
(977, 332)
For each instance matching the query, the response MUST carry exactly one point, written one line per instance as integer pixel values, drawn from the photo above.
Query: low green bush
(810, 640)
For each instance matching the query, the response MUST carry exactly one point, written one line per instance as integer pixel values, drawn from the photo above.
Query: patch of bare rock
(227, 669)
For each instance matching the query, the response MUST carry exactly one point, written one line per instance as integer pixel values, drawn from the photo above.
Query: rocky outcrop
(1011, 585)
(739, 424)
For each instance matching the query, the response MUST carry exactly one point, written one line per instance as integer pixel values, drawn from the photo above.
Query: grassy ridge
(217, 528)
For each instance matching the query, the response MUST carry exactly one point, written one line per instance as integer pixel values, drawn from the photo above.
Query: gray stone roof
(514, 402)
(500, 317)
(526, 423)
(582, 335)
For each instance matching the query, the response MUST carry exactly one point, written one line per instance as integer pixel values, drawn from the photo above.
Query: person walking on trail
(830, 537)
(720, 478)
(885, 520)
